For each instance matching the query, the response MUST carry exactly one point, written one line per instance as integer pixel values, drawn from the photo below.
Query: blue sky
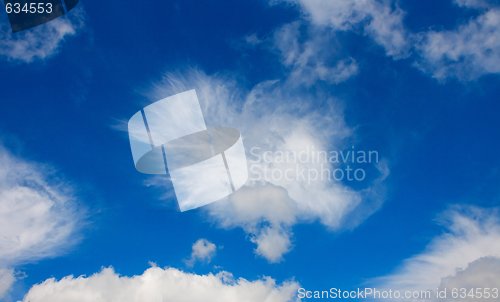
(415, 80)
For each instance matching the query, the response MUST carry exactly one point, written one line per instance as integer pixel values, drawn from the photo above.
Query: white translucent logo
(170, 137)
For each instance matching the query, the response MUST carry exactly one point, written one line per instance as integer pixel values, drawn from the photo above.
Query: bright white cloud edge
(161, 285)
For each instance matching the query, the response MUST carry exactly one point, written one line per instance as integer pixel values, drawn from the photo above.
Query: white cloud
(481, 273)
(465, 255)
(38, 217)
(311, 60)
(161, 285)
(272, 243)
(276, 116)
(40, 42)
(6, 281)
(474, 3)
(466, 53)
(202, 251)
(264, 211)
(381, 20)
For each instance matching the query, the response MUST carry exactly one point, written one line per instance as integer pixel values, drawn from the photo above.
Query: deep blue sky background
(440, 138)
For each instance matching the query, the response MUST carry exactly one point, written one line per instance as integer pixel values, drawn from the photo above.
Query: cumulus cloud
(467, 255)
(272, 243)
(202, 251)
(381, 20)
(277, 117)
(266, 212)
(160, 285)
(40, 42)
(466, 53)
(38, 216)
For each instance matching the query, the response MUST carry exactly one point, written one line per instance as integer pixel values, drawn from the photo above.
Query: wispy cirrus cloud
(466, 53)
(380, 20)
(41, 42)
(469, 52)
(466, 255)
(303, 52)
(39, 215)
